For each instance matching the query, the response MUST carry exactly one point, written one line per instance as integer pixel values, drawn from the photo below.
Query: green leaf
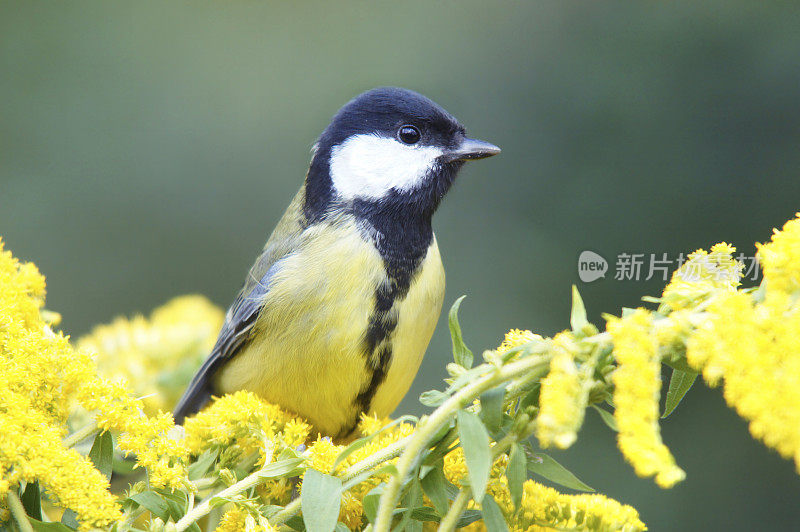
(468, 517)
(320, 499)
(32, 500)
(425, 513)
(282, 468)
(516, 473)
(466, 378)
(531, 398)
(679, 384)
(412, 500)
(492, 408)
(203, 463)
(123, 466)
(433, 398)
(434, 486)
(677, 360)
(371, 501)
(444, 446)
(461, 353)
(102, 453)
(39, 526)
(607, 417)
(70, 519)
(577, 317)
(295, 522)
(176, 502)
(544, 465)
(477, 454)
(492, 516)
(153, 502)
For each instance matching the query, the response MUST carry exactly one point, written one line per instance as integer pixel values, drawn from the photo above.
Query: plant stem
(18, 511)
(130, 518)
(384, 455)
(430, 426)
(204, 483)
(80, 435)
(450, 520)
(204, 507)
(288, 511)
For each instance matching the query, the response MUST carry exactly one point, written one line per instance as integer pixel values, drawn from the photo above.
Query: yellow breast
(307, 352)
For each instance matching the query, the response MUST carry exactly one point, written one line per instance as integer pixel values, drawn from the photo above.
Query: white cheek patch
(369, 166)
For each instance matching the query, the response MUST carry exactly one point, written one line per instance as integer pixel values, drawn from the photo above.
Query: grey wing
(235, 332)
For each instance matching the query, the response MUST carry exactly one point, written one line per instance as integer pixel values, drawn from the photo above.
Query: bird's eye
(408, 134)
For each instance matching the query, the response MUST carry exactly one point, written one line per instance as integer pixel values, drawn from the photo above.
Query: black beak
(471, 149)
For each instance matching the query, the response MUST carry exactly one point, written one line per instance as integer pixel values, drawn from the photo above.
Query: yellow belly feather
(307, 349)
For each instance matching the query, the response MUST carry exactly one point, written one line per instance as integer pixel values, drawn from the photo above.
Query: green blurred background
(148, 148)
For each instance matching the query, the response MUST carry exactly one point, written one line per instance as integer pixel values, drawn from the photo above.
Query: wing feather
(245, 309)
(235, 332)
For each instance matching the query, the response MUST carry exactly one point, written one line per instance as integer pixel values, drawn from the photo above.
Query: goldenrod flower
(544, 508)
(156, 356)
(296, 432)
(149, 438)
(637, 383)
(351, 512)
(702, 274)
(754, 348)
(515, 338)
(323, 454)
(276, 491)
(455, 468)
(237, 520)
(232, 521)
(563, 396)
(241, 424)
(40, 377)
(780, 258)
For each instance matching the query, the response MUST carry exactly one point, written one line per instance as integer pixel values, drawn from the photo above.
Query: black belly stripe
(378, 344)
(400, 228)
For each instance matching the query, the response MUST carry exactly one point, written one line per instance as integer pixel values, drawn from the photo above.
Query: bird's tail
(197, 394)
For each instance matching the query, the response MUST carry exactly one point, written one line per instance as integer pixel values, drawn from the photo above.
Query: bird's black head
(388, 152)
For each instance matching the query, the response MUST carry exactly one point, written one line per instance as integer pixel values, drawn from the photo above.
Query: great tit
(336, 313)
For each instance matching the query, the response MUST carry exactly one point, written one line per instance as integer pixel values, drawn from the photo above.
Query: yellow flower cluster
(637, 383)
(150, 439)
(545, 509)
(703, 274)
(562, 398)
(41, 376)
(752, 344)
(43, 379)
(241, 424)
(515, 338)
(322, 454)
(780, 258)
(244, 423)
(156, 356)
(237, 520)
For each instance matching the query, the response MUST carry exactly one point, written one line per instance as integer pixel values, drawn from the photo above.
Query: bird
(337, 311)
